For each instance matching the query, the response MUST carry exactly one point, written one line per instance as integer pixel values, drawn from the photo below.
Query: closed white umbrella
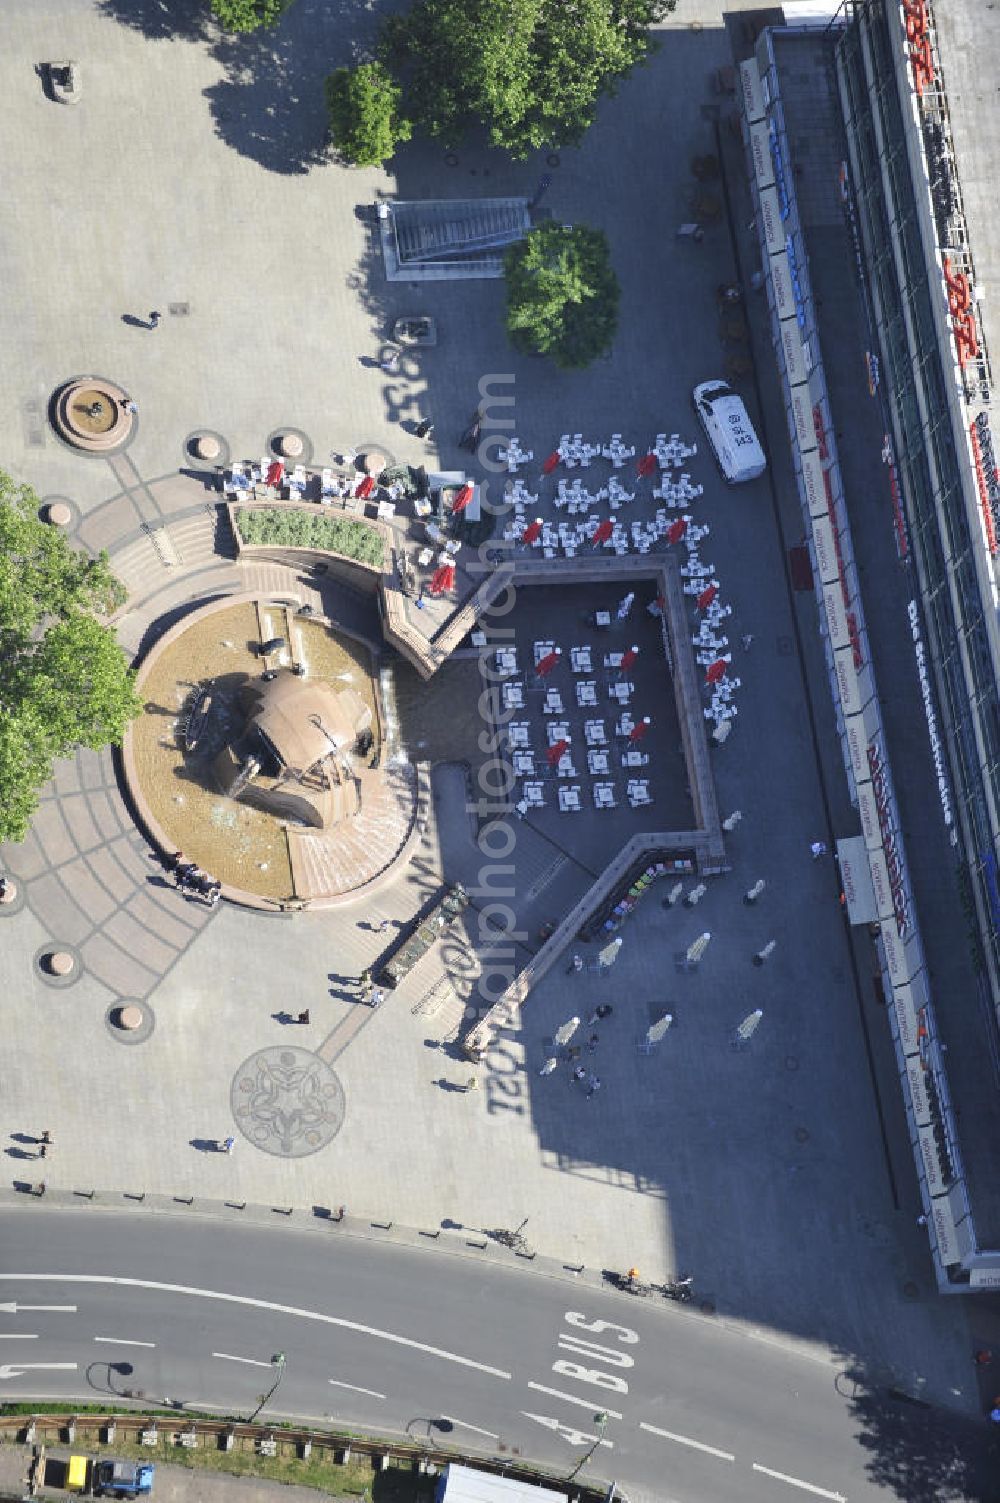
(566, 1030)
(609, 954)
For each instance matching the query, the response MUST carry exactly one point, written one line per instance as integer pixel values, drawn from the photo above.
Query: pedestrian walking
(365, 979)
(128, 405)
(377, 997)
(600, 1013)
(921, 1220)
(390, 362)
(593, 1086)
(818, 849)
(575, 965)
(472, 1084)
(746, 642)
(381, 926)
(303, 1017)
(154, 319)
(425, 428)
(214, 894)
(549, 1066)
(228, 1144)
(46, 1136)
(592, 1042)
(579, 1073)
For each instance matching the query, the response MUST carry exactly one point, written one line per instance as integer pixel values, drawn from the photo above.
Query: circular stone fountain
(233, 765)
(89, 414)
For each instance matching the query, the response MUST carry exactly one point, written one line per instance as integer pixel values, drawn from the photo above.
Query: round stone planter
(206, 449)
(130, 1021)
(58, 964)
(279, 439)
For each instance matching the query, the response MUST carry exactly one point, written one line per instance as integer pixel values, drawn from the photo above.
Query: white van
(729, 431)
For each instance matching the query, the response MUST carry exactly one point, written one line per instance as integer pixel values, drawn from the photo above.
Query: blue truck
(122, 1479)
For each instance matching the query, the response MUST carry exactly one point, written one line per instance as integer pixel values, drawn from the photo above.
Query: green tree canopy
(562, 294)
(532, 71)
(365, 120)
(248, 15)
(65, 681)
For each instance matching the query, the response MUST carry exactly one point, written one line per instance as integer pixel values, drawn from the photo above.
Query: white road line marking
(571, 1398)
(120, 1341)
(685, 1440)
(466, 1426)
(575, 1437)
(17, 1336)
(808, 1487)
(250, 1361)
(355, 1389)
(13, 1308)
(262, 1304)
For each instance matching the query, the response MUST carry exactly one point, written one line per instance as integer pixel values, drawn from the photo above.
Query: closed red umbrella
(676, 530)
(548, 662)
(462, 499)
(647, 464)
(549, 464)
(629, 657)
(533, 531)
(442, 579)
(706, 597)
(715, 671)
(556, 750)
(602, 532)
(638, 731)
(275, 472)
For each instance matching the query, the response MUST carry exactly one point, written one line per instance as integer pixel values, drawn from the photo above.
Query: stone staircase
(187, 545)
(338, 861)
(441, 239)
(280, 583)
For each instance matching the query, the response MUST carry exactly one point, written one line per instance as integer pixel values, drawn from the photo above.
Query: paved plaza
(191, 179)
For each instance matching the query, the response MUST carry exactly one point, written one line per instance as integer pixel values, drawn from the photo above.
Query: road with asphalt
(491, 1356)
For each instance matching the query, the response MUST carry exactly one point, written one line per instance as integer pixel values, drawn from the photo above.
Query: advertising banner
(856, 880)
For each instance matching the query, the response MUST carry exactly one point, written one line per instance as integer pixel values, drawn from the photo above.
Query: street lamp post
(278, 1362)
(601, 1419)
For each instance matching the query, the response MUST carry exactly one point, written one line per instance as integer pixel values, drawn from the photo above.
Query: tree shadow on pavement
(161, 20)
(919, 1453)
(270, 105)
